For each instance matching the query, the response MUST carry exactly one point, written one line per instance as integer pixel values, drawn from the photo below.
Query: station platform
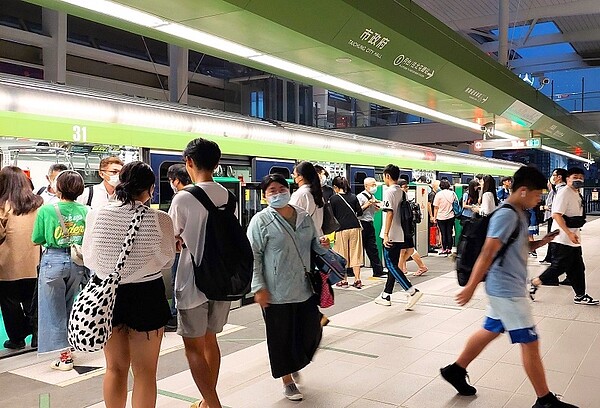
(371, 356)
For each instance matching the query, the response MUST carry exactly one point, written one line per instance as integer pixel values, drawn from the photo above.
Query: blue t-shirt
(510, 279)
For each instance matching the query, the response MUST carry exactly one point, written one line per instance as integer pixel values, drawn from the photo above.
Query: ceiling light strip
(570, 155)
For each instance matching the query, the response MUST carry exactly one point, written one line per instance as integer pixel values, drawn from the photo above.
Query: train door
(357, 177)
(263, 167)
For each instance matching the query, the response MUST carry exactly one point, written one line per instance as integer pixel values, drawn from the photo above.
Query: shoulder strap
(41, 190)
(513, 237)
(134, 227)
(61, 219)
(90, 196)
(366, 195)
(201, 196)
(293, 240)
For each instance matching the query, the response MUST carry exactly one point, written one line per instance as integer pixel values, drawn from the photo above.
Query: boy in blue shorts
(506, 286)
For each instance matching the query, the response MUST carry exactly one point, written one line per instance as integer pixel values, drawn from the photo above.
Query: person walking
(199, 320)
(392, 234)
(59, 278)
(443, 215)
(506, 287)
(141, 309)
(19, 256)
(282, 238)
(178, 180)
(348, 238)
(370, 205)
(555, 183)
(569, 215)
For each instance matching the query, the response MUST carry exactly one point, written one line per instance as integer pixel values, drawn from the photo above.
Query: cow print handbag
(90, 323)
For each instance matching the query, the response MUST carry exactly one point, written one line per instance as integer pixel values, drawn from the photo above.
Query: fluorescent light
(200, 37)
(570, 155)
(504, 135)
(341, 83)
(286, 66)
(119, 11)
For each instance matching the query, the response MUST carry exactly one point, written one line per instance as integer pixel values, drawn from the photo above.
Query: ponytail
(341, 183)
(311, 177)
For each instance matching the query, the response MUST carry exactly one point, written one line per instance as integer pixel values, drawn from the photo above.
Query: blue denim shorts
(512, 315)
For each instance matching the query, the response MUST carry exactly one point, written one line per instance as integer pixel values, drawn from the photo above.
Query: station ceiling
(394, 53)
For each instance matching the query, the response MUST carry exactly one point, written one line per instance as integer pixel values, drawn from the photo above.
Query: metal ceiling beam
(575, 36)
(550, 59)
(558, 10)
(542, 69)
(82, 51)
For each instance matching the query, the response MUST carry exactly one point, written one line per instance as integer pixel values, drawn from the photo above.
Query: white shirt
(443, 201)
(100, 199)
(189, 221)
(488, 204)
(392, 197)
(304, 199)
(48, 197)
(153, 247)
(566, 202)
(369, 212)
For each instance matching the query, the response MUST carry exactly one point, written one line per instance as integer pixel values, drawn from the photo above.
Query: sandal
(420, 271)
(357, 284)
(342, 284)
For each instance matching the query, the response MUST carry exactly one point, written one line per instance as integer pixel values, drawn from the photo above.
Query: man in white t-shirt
(567, 211)
(48, 193)
(99, 195)
(393, 237)
(198, 319)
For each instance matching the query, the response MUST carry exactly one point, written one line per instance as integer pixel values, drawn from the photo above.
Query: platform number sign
(79, 133)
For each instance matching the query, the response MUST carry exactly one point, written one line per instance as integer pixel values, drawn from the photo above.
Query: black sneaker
(585, 300)
(566, 282)
(532, 290)
(14, 345)
(171, 325)
(457, 376)
(552, 402)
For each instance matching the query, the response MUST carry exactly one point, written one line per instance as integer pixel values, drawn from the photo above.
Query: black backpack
(473, 236)
(416, 212)
(225, 271)
(406, 211)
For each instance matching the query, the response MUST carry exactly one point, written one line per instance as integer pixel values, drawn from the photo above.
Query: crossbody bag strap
(294, 242)
(61, 219)
(513, 237)
(134, 227)
(349, 206)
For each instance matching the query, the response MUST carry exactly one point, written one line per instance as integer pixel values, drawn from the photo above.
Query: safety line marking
(402, 336)
(355, 353)
(44, 401)
(180, 397)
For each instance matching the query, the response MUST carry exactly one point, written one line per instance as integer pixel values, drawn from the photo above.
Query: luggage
(226, 268)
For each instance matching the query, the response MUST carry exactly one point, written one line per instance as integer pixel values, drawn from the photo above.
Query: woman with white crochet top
(141, 308)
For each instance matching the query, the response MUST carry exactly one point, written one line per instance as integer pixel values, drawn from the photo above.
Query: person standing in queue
(323, 176)
(19, 257)
(282, 238)
(370, 205)
(443, 215)
(393, 237)
(198, 318)
(408, 246)
(567, 212)
(555, 184)
(489, 198)
(47, 192)
(141, 309)
(504, 190)
(309, 197)
(60, 277)
(178, 180)
(99, 195)
(348, 238)
(506, 286)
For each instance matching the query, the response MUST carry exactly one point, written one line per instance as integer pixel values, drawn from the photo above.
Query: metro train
(43, 123)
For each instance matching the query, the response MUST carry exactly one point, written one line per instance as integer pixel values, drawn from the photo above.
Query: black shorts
(408, 243)
(142, 306)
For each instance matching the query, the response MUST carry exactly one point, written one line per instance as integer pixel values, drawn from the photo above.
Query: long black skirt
(293, 335)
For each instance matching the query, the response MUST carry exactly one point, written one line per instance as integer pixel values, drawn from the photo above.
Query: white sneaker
(64, 363)
(292, 392)
(413, 299)
(297, 377)
(384, 300)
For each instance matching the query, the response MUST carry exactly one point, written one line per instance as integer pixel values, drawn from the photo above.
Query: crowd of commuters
(38, 287)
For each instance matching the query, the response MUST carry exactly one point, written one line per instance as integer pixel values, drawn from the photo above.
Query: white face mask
(323, 180)
(279, 200)
(373, 190)
(113, 180)
(174, 188)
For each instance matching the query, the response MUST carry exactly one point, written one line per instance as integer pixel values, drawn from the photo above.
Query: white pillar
(54, 24)
(503, 22)
(178, 74)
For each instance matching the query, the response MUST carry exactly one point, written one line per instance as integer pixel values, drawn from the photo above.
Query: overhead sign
(508, 144)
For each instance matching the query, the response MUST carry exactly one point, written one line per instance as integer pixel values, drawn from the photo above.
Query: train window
(284, 171)
(358, 182)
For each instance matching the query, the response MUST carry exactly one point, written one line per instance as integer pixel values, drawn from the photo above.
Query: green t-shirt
(47, 230)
